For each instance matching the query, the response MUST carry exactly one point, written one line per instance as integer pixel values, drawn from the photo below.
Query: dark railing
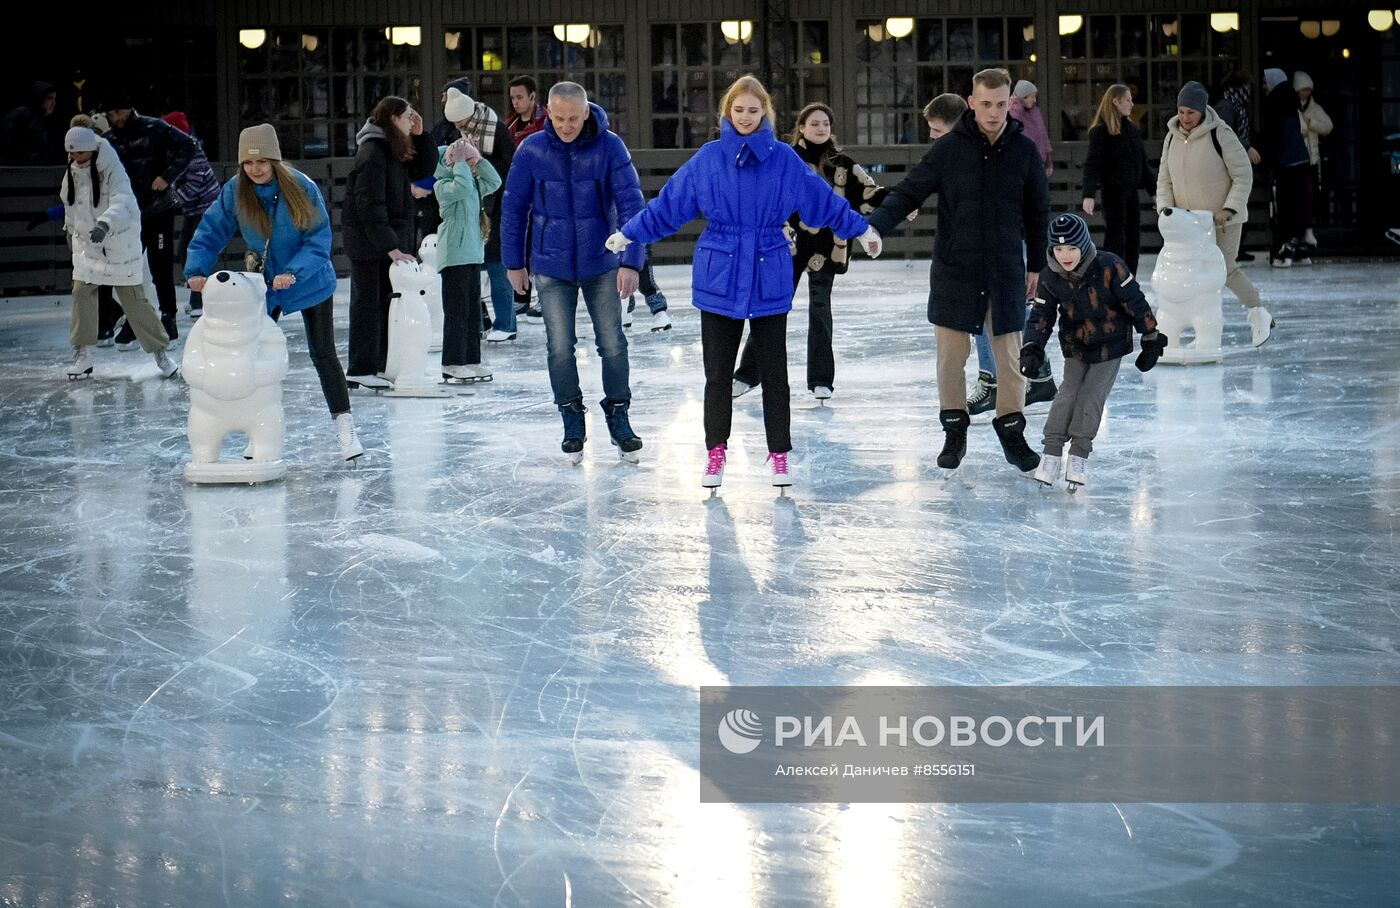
(39, 259)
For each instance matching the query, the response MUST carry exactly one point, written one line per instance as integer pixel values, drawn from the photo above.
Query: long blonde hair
(745, 85)
(294, 195)
(1107, 114)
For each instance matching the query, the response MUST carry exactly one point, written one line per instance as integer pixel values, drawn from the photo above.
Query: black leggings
(461, 315)
(821, 361)
(320, 341)
(369, 315)
(720, 336)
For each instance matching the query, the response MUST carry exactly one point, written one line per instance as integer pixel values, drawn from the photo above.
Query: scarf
(481, 129)
(813, 154)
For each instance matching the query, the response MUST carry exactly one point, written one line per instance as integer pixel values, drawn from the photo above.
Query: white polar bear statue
(235, 360)
(427, 254)
(410, 333)
(1186, 280)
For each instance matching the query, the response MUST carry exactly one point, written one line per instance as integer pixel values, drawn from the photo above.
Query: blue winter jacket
(572, 196)
(303, 253)
(747, 186)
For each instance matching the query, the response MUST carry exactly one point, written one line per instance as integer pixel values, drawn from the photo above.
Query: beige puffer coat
(1315, 125)
(1195, 175)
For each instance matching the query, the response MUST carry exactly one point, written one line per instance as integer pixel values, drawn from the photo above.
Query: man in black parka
(993, 212)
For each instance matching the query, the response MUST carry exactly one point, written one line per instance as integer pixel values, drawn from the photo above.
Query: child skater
(746, 183)
(1098, 303)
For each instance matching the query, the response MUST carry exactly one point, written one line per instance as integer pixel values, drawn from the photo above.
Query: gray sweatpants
(1078, 407)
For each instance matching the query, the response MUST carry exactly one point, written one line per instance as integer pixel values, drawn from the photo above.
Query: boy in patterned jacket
(1098, 303)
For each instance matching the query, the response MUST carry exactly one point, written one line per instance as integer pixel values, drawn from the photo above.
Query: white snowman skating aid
(235, 360)
(427, 254)
(410, 333)
(1187, 280)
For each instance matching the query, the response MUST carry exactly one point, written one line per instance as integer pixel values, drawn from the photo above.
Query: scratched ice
(464, 672)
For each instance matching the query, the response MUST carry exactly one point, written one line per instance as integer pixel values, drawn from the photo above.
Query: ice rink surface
(463, 672)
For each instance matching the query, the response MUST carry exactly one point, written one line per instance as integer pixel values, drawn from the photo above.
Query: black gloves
(1032, 358)
(1152, 346)
(99, 233)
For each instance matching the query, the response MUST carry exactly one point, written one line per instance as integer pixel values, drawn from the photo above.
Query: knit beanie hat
(1273, 78)
(178, 119)
(1301, 80)
(1070, 230)
(80, 138)
(459, 106)
(116, 100)
(1024, 88)
(1193, 95)
(259, 142)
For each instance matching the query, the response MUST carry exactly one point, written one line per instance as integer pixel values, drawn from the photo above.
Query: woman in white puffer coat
(103, 224)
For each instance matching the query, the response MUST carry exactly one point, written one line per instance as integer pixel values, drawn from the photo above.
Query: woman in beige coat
(1205, 168)
(1315, 123)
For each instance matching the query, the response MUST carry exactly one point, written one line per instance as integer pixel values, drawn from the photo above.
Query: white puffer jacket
(1206, 169)
(1315, 124)
(116, 261)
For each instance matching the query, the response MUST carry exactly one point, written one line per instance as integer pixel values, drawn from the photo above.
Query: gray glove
(99, 233)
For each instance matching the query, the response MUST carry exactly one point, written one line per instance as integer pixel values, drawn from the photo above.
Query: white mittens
(870, 241)
(618, 243)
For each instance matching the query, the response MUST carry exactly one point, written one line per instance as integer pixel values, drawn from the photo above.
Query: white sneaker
(373, 382)
(1077, 472)
(821, 392)
(82, 364)
(350, 446)
(496, 336)
(1261, 323)
(740, 389)
(661, 321)
(1049, 470)
(164, 365)
(472, 373)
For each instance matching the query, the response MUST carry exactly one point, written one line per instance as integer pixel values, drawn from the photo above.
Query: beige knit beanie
(259, 142)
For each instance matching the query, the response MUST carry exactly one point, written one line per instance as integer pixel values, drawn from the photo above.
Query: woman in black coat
(1117, 165)
(378, 226)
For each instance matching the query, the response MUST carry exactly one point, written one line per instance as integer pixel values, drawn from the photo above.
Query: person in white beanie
(1314, 123)
(103, 223)
(1286, 153)
(1026, 110)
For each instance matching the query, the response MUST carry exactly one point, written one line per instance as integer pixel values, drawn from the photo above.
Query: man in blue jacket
(569, 188)
(993, 202)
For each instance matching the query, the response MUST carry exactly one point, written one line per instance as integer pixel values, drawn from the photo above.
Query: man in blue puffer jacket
(568, 189)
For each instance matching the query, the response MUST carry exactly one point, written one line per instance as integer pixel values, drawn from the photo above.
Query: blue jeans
(502, 298)
(985, 361)
(559, 302)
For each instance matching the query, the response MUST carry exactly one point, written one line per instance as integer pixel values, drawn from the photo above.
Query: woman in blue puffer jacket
(747, 183)
(282, 218)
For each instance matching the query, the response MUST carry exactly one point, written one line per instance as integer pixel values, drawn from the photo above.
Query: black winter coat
(1097, 311)
(150, 147)
(992, 199)
(1117, 164)
(378, 212)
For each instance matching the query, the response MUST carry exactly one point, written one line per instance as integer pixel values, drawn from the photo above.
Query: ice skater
(568, 188)
(103, 223)
(1098, 303)
(281, 215)
(746, 183)
(993, 206)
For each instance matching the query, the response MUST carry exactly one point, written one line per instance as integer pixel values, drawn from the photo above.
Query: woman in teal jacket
(463, 179)
(747, 183)
(282, 217)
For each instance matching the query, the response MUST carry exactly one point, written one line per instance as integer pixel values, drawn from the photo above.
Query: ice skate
(369, 382)
(1041, 389)
(660, 321)
(740, 389)
(620, 430)
(350, 447)
(123, 336)
(81, 366)
(1010, 431)
(782, 478)
(1077, 472)
(714, 468)
(1261, 323)
(1049, 470)
(955, 423)
(984, 397)
(466, 375)
(822, 394)
(575, 430)
(627, 311)
(533, 311)
(497, 336)
(164, 366)
(104, 340)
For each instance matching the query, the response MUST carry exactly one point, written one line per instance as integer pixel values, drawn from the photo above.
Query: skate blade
(656, 330)
(453, 380)
(576, 458)
(630, 456)
(79, 376)
(1074, 486)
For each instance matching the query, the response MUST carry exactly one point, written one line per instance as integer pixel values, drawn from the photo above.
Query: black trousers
(646, 278)
(188, 225)
(821, 361)
(1294, 202)
(369, 315)
(719, 337)
(1122, 215)
(158, 236)
(320, 341)
(461, 315)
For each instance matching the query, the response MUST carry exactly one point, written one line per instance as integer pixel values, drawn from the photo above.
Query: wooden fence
(38, 260)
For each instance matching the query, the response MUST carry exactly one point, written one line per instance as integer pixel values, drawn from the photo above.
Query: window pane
(694, 44)
(816, 42)
(520, 48)
(1133, 35)
(930, 35)
(663, 46)
(1021, 38)
(991, 43)
(960, 39)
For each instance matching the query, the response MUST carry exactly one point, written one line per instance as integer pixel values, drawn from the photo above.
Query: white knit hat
(1301, 80)
(80, 138)
(458, 106)
(1025, 88)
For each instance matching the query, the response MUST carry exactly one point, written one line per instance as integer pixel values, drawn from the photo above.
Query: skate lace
(780, 463)
(981, 394)
(345, 432)
(716, 461)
